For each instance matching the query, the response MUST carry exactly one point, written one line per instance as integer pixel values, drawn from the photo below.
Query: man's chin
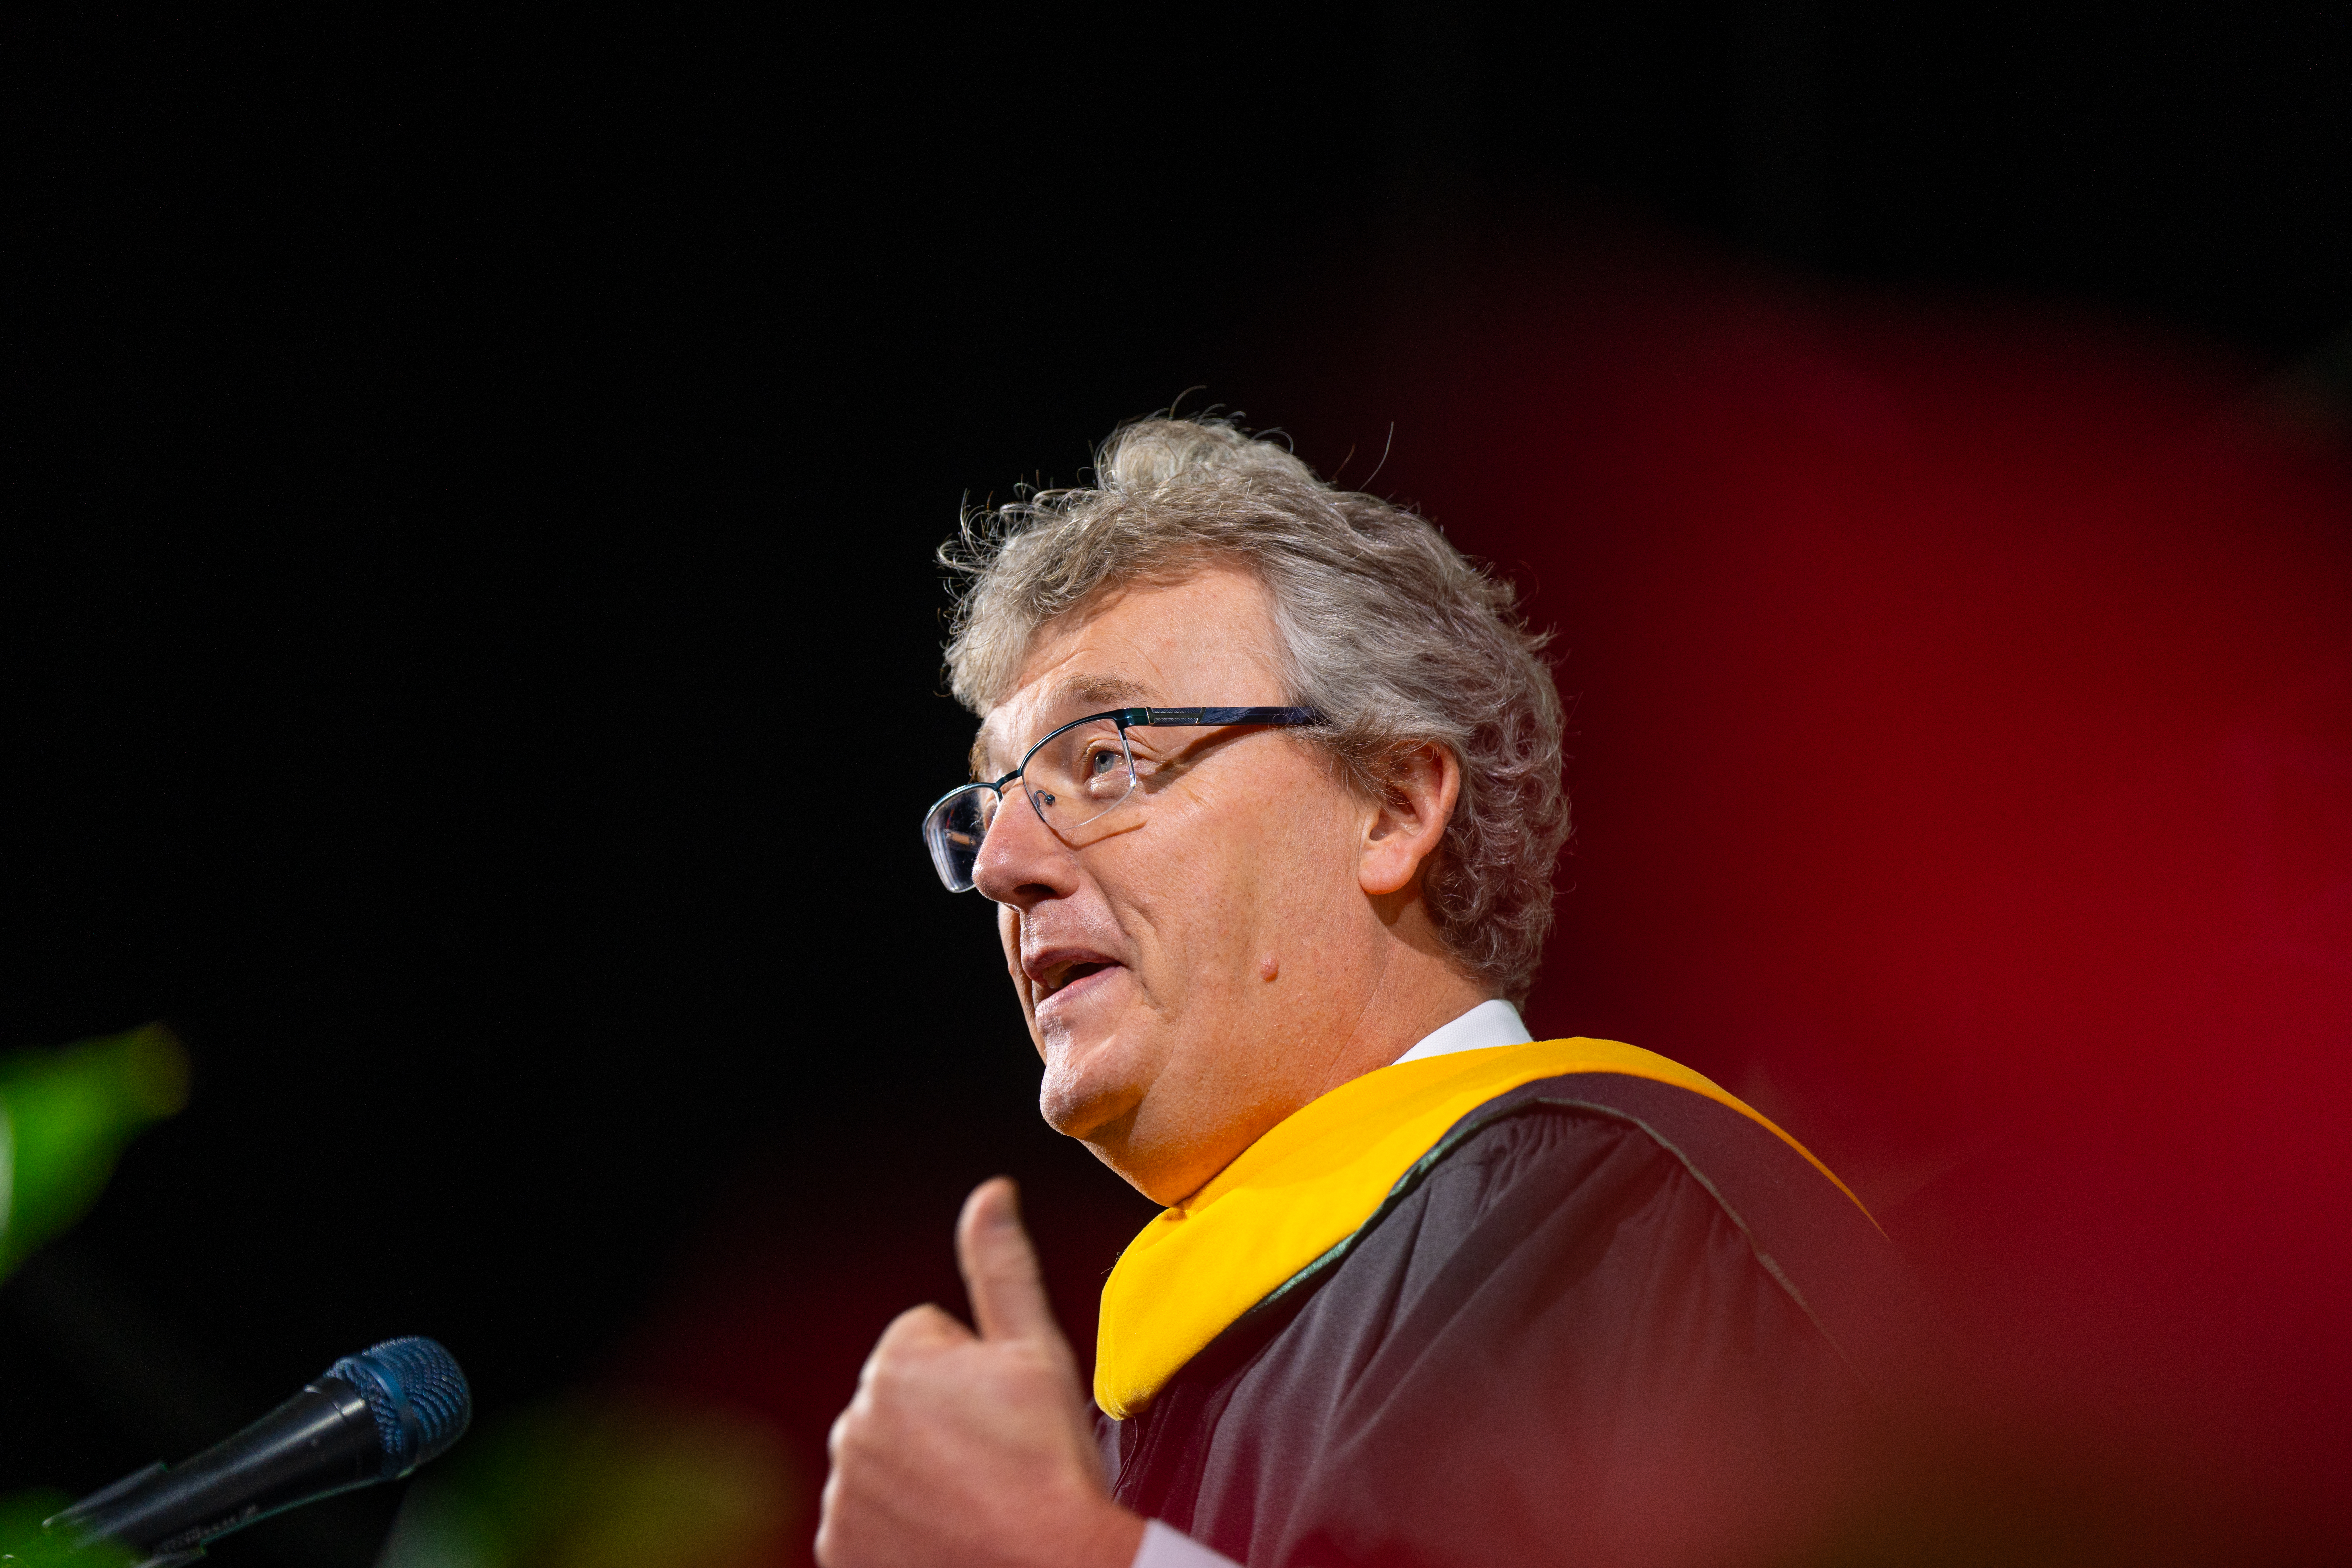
(1092, 1082)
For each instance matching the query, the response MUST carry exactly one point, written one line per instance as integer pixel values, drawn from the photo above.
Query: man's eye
(1103, 762)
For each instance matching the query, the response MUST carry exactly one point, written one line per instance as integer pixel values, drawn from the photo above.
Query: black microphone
(370, 1417)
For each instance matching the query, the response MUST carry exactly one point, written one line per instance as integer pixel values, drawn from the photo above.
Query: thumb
(1000, 1267)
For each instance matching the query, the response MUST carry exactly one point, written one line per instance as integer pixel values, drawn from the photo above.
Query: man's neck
(1415, 994)
(1491, 1023)
(1452, 1018)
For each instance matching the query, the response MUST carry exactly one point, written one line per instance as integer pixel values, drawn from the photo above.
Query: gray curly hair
(1383, 626)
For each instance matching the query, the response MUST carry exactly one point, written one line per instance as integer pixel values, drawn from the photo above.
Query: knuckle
(898, 1337)
(926, 1320)
(916, 1333)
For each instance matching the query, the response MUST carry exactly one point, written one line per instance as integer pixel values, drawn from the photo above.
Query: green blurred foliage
(64, 1116)
(610, 1484)
(20, 1522)
(21, 1512)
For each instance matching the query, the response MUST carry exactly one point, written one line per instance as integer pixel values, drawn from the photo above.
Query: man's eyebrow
(1072, 696)
(1095, 691)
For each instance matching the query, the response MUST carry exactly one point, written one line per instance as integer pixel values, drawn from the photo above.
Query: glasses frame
(1126, 719)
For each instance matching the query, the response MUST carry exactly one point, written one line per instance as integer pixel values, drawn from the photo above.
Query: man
(1269, 801)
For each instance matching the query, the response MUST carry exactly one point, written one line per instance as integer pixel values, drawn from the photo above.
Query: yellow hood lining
(1292, 1203)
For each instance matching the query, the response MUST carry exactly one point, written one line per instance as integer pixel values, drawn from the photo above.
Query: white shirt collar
(1495, 1023)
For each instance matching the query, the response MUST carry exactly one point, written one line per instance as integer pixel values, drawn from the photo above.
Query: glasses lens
(1079, 775)
(953, 831)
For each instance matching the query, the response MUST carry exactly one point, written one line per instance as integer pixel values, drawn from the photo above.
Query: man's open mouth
(1059, 977)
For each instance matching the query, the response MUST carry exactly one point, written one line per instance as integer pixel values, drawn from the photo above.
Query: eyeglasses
(1077, 775)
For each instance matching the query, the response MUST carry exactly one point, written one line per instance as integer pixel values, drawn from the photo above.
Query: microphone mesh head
(417, 1396)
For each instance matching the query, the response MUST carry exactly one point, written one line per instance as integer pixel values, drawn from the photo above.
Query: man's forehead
(1026, 715)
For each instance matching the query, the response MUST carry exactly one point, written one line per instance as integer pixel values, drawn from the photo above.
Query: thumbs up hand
(970, 1448)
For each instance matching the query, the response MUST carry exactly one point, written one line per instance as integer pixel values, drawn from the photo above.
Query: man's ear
(1404, 830)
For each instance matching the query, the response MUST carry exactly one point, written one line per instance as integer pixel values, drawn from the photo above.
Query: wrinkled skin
(1251, 938)
(1262, 930)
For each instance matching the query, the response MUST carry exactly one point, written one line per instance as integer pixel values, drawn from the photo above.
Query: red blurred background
(1962, 739)
(1964, 734)
(476, 481)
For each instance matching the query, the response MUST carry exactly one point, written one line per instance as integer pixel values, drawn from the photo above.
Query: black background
(474, 649)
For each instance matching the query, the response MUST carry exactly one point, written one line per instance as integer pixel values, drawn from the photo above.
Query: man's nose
(1021, 860)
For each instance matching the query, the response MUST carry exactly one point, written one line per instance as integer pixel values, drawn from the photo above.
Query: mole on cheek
(1269, 967)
